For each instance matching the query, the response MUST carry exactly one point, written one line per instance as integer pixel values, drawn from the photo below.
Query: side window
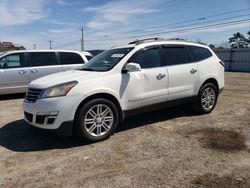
(89, 57)
(43, 58)
(199, 53)
(12, 61)
(176, 55)
(70, 58)
(148, 58)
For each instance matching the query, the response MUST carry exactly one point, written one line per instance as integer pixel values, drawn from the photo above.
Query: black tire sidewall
(80, 129)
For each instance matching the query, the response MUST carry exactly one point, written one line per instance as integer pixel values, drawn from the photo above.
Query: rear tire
(96, 120)
(206, 99)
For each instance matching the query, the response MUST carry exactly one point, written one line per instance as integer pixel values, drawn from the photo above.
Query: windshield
(106, 60)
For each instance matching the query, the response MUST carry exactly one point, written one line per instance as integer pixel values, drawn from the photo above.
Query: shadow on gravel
(12, 96)
(213, 180)
(157, 116)
(18, 136)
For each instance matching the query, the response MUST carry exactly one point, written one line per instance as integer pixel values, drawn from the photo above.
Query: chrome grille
(32, 94)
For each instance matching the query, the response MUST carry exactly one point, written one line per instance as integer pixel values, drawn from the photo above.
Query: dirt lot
(168, 148)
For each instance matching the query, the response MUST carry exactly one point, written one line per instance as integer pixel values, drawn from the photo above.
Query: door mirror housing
(132, 67)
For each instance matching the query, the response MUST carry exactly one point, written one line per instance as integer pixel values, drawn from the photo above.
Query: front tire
(206, 99)
(96, 120)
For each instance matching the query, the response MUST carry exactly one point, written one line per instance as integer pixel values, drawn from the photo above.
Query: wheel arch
(104, 96)
(213, 81)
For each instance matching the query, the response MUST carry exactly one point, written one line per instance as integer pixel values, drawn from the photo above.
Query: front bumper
(51, 113)
(65, 129)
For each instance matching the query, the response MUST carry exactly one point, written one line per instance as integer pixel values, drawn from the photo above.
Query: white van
(19, 68)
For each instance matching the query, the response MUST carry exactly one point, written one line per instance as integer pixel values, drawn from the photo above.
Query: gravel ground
(168, 148)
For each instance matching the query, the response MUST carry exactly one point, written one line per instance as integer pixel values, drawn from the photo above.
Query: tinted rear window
(70, 58)
(199, 53)
(176, 55)
(43, 58)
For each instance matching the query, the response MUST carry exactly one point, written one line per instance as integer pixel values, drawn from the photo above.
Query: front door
(150, 85)
(14, 73)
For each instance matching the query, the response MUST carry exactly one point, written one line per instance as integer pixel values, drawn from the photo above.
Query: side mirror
(132, 67)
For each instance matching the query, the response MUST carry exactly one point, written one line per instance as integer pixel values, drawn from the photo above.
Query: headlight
(58, 90)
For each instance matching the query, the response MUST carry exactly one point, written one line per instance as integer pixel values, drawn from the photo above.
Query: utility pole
(50, 42)
(82, 40)
(34, 45)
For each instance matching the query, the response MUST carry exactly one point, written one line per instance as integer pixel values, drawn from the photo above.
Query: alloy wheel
(98, 120)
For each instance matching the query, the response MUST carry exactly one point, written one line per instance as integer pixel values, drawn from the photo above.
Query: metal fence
(235, 59)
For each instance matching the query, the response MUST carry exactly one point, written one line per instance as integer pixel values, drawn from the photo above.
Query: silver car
(18, 68)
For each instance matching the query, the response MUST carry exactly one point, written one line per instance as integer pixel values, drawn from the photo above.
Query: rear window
(43, 58)
(68, 58)
(199, 53)
(176, 55)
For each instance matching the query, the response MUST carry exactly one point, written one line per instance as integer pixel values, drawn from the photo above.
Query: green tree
(248, 33)
(211, 46)
(238, 41)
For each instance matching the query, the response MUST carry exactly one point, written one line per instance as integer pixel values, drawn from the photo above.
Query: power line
(176, 23)
(197, 28)
(195, 24)
(189, 29)
(152, 32)
(188, 21)
(205, 17)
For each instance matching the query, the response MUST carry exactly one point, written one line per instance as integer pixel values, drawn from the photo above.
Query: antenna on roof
(146, 40)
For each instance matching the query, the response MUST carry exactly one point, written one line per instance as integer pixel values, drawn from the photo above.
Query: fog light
(51, 120)
(46, 117)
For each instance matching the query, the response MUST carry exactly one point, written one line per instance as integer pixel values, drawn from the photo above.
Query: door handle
(22, 72)
(192, 71)
(160, 76)
(34, 71)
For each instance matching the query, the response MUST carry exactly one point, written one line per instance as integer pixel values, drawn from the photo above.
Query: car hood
(63, 77)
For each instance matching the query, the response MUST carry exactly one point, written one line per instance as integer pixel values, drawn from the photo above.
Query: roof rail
(146, 40)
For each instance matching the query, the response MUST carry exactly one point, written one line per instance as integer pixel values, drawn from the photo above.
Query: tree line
(238, 40)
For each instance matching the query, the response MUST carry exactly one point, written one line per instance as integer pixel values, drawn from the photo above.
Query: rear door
(43, 63)
(14, 73)
(183, 72)
(70, 60)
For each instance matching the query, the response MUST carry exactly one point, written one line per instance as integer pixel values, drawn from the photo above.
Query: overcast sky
(116, 22)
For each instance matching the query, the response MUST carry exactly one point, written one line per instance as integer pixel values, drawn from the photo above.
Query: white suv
(125, 80)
